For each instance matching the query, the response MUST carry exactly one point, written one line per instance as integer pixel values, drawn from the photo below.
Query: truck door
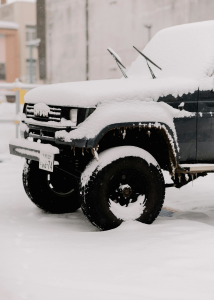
(185, 127)
(205, 127)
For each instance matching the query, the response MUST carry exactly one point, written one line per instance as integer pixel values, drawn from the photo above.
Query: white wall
(65, 40)
(119, 24)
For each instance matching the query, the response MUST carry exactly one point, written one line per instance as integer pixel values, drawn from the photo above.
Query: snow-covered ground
(45, 256)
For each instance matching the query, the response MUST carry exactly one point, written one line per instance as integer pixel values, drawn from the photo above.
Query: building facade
(78, 32)
(24, 14)
(9, 51)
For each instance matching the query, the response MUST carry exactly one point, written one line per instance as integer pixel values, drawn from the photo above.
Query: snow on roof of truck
(181, 51)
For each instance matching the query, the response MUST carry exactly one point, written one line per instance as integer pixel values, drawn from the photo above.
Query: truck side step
(198, 167)
(168, 185)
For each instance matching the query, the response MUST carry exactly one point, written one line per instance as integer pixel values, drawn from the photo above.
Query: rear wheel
(55, 192)
(127, 188)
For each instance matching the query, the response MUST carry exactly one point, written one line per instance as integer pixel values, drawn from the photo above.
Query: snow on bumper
(30, 150)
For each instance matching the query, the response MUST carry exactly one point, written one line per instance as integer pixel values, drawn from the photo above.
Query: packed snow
(44, 256)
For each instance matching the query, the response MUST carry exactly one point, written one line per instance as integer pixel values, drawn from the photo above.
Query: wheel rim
(126, 186)
(61, 183)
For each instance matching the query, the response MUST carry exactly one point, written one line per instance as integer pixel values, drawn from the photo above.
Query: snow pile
(132, 212)
(91, 93)
(181, 51)
(110, 155)
(121, 112)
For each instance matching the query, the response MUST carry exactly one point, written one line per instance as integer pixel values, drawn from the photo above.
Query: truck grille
(55, 114)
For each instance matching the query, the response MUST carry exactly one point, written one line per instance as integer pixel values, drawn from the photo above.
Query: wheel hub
(126, 186)
(125, 190)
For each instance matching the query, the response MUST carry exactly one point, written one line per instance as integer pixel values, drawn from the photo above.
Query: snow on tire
(125, 184)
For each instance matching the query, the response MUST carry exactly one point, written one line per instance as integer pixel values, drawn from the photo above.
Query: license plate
(46, 161)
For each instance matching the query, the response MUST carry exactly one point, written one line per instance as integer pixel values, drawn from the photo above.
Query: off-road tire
(37, 187)
(95, 194)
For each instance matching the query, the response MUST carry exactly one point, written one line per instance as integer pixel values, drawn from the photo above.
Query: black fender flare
(93, 142)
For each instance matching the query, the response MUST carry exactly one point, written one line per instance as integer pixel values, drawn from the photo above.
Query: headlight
(73, 115)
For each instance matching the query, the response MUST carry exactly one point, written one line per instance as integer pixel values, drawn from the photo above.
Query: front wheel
(125, 184)
(55, 192)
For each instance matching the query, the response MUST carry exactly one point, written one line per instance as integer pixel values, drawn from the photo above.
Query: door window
(189, 101)
(206, 101)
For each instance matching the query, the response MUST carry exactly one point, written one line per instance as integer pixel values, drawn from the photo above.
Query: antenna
(147, 59)
(118, 61)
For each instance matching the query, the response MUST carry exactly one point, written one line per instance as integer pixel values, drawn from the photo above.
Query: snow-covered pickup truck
(102, 145)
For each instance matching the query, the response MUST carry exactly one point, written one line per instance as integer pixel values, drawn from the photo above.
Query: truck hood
(91, 93)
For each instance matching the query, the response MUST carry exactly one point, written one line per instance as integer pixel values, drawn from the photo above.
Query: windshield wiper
(147, 59)
(118, 61)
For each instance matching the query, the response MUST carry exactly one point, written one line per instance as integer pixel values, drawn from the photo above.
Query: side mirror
(181, 106)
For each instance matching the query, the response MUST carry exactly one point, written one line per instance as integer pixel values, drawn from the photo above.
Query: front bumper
(46, 133)
(30, 150)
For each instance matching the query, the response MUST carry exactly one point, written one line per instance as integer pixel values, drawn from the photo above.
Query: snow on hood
(181, 51)
(91, 93)
(117, 112)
